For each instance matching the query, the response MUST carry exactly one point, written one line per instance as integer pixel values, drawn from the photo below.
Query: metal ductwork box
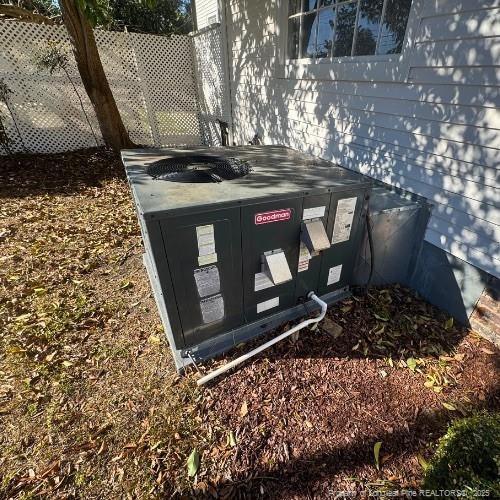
(235, 238)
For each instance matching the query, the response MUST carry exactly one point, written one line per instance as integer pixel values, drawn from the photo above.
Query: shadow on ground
(313, 475)
(388, 322)
(24, 175)
(315, 407)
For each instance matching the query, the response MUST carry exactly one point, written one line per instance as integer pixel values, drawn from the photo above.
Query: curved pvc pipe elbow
(248, 355)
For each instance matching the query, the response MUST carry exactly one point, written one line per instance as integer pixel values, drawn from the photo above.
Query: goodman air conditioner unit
(236, 238)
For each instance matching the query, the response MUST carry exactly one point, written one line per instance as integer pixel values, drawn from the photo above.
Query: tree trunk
(93, 77)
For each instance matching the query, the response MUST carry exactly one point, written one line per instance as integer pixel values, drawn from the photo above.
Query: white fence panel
(210, 61)
(45, 107)
(169, 83)
(120, 65)
(152, 79)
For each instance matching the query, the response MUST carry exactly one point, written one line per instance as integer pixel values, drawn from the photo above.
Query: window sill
(347, 59)
(386, 68)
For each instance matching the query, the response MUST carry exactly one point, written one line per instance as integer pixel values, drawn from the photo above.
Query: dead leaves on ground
(61, 221)
(415, 328)
(395, 325)
(71, 308)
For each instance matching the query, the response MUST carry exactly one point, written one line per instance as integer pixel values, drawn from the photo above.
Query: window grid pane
(393, 27)
(310, 5)
(368, 27)
(355, 29)
(308, 35)
(344, 33)
(294, 7)
(340, 28)
(326, 25)
(293, 37)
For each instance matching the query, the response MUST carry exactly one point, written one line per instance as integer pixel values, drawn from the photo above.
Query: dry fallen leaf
(50, 357)
(244, 409)
(487, 351)
(449, 406)
(231, 440)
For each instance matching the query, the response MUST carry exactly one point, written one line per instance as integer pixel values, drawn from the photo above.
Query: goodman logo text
(274, 216)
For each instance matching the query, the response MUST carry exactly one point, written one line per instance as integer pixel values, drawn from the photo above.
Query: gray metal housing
(398, 223)
(172, 214)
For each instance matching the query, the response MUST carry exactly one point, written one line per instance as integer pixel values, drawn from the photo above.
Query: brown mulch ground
(91, 406)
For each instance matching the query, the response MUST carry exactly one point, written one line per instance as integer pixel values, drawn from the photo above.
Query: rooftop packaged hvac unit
(236, 238)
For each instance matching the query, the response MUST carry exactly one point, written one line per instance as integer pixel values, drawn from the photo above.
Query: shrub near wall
(468, 457)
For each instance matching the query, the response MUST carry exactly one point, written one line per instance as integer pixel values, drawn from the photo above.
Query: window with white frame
(320, 29)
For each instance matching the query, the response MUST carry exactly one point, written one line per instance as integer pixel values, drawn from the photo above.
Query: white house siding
(435, 132)
(206, 9)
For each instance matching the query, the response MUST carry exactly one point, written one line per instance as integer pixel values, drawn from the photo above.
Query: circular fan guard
(198, 168)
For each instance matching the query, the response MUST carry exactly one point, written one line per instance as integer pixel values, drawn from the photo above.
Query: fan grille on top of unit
(198, 168)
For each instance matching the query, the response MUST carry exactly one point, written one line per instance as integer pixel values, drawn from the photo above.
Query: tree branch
(14, 12)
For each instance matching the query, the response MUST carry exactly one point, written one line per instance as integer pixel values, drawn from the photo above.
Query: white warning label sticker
(203, 260)
(205, 234)
(343, 220)
(262, 281)
(212, 309)
(334, 275)
(206, 249)
(206, 240)
(268, 304)
(313, 213)
(304, 258)
(207, 280)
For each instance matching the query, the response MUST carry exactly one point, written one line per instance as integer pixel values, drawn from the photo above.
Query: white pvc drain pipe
(248, 355)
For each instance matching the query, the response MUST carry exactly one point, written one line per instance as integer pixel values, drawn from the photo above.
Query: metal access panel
(205, 255)
(345, 229)
(398, 220)
(235, 238)
(269, 229)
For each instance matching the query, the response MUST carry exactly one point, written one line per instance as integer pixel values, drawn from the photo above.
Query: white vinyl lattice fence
(210, 60)
(152, 79)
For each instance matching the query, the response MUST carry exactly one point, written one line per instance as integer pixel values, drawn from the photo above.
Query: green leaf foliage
(96, 11)
(161, 17)
(47, 8)
(376, 454)
(467, 456)
(193, 463)
(411, 363)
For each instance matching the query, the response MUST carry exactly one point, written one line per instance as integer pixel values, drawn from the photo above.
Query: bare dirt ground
(90, 403)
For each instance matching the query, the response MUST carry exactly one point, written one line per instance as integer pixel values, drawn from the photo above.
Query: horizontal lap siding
(436, 133)
(205, 9)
